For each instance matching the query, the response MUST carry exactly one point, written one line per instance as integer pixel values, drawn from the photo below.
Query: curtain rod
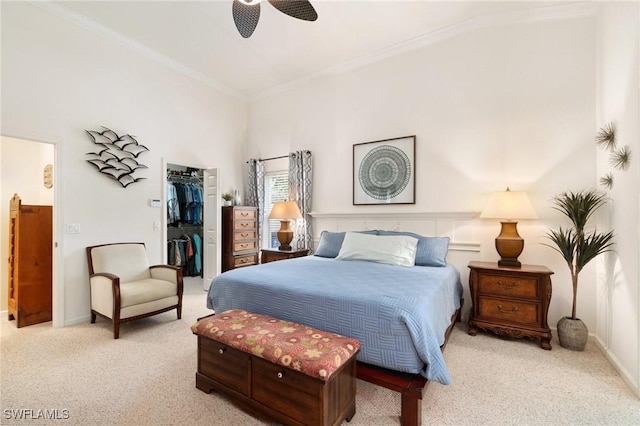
(272, 158)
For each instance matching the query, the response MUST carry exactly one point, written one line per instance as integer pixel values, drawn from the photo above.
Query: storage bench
(291, 373)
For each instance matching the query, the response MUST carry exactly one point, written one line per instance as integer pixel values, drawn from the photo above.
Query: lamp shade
(509, 205)
(285, 210)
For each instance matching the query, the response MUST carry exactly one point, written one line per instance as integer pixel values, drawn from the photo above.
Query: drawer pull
(280, 375)
(244, 260)
(221, 351)
(244, 224)
(511, 311)
(244, 214)
(244, 245)
(244, 235)
(508, 286)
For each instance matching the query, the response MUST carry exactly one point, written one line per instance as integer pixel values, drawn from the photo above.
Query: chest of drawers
(510, 301)
(239, 237)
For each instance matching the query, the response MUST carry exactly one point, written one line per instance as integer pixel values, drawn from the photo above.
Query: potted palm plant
(578, 247)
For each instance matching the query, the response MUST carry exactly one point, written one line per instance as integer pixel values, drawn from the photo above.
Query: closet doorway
(192, 220)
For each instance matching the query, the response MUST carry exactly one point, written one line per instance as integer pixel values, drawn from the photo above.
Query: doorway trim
(58, 314)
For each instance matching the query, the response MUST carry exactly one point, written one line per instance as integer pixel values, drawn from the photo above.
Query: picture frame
(384, 172)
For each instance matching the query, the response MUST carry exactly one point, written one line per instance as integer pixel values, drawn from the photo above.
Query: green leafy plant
(575, 245)
(227, 196)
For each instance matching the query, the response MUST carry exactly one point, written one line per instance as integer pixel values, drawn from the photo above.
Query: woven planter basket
(572, 334)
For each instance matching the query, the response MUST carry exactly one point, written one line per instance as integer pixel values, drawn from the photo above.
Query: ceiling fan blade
(246, 17)
(300, 9)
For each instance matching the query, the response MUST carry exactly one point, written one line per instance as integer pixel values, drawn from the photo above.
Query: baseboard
(77, 320)
(613, 360)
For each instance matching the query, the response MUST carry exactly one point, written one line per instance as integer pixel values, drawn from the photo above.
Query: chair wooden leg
(93, 317)
(179, 309)
(116, 329)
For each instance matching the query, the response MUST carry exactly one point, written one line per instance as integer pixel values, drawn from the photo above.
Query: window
(276, 188)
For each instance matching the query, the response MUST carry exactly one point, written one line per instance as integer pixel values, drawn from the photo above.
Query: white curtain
(255, 193)
(300, 180)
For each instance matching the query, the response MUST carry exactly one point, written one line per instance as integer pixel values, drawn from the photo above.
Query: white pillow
(392, 249)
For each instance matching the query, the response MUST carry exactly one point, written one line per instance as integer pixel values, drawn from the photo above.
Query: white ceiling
(200, 38)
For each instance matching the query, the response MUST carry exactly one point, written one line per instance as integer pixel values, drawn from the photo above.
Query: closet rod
(272, 158)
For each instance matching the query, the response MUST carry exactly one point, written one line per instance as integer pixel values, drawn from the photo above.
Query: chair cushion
(128, 261)
(142, 291)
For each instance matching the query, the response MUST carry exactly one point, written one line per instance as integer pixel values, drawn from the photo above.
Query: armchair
(125, 288)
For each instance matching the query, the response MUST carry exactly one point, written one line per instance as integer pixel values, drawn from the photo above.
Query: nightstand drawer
(508, 285)
(511, 310)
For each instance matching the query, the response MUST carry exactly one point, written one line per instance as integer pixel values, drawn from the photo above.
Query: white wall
(62, 79)
(22, 166)
(619, 93)
(511, 105)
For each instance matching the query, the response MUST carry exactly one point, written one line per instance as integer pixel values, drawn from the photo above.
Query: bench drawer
(287, 391)
(225, 365)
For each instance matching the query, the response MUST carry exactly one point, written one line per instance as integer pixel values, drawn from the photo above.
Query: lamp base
(509, 263)
(509, 245)
(285, 236)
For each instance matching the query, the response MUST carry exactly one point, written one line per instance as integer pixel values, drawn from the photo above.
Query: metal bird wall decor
(247, 12)
(116, 156)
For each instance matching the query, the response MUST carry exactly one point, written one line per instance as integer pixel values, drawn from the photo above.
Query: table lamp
(285, 211)
(507, 206)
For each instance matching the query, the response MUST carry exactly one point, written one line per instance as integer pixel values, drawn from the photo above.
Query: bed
(402, 315)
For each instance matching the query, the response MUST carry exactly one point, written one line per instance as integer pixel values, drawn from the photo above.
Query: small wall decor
(47, 176)
(384, 171)
(618, 158)
(116, 156)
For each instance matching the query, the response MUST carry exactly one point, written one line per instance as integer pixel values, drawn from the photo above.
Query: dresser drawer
(286, 390)
(242, 214)
(249, 234)
(245, 245)
(251, 259)
(508, 285)
(505, 309)
(244, 225)
(226, 365)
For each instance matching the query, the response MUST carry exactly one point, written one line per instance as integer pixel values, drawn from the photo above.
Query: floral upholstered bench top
(313, 352)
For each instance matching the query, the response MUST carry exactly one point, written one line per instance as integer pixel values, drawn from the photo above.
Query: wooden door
(30, 263)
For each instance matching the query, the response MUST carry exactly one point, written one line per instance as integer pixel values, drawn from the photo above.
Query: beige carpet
(147, 377)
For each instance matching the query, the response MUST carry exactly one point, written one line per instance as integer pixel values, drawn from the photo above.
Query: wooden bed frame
(411, 386)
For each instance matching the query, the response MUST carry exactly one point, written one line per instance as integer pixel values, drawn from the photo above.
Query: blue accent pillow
(431, 251)
(331, 243)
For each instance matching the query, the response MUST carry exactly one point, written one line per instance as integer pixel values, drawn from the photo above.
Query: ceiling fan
(247, 12)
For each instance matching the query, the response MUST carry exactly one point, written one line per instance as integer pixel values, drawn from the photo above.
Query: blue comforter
(398, 313)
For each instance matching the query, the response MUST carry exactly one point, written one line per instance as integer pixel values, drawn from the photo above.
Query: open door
(211, 230)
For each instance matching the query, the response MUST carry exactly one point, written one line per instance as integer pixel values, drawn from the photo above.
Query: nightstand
(272, 255)
(510, 301)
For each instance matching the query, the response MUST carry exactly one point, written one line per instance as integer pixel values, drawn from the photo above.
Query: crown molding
(91, 25)
(541, 14)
